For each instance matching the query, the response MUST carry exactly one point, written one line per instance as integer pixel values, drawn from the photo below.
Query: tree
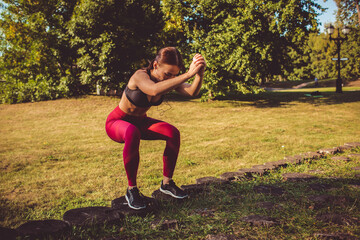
(113, 38)
(244, 42)
(35, 54)
(349, 14)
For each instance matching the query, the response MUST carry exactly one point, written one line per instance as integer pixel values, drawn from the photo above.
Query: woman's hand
(197, 64)
(202, 69)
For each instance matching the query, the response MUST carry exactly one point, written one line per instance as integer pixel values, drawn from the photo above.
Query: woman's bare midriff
(127, 107)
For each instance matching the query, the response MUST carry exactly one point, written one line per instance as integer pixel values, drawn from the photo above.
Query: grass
(55, 155)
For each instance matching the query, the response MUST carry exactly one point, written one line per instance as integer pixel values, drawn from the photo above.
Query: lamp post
(338, 40)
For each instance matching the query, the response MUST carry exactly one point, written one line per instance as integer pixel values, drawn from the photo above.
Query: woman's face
(165, 71)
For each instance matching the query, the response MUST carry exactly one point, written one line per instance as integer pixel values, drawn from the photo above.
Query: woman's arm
(192, 90)
(149, 87)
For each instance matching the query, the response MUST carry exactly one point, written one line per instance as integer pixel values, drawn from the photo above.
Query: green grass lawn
(55, 155)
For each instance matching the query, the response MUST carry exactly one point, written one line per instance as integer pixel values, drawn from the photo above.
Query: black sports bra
(140, 99)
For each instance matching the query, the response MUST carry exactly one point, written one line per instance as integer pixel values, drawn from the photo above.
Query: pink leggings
(124, 128)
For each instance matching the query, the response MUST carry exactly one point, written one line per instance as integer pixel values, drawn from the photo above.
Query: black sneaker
(172, 190)
(135, 199)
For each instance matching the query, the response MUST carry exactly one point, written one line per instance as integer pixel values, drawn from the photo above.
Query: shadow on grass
(282, 99)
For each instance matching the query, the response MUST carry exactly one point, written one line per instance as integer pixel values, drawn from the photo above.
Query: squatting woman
(128, 122)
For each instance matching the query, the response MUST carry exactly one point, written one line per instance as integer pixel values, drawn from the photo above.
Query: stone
(353, 144)
(354, 155)
(344, 148)
(267, 189)
(258, 220)
(121, 205)
(193, 188)
(264, 167)
(341, 158)
(92, 216)
(249, 172)
(298, 177)
(44, 229)
(231, 176)
(210, 180)
(339, 219)
(329, 151)
(324, 200)
(165, 224)
(320, 186)
(268, 205)
(279, 163)
(294, 159)
(8, 233)
(158, 195)
(221, 237)
(270, 166)
(312, 155)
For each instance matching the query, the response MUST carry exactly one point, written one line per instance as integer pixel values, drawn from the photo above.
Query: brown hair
(168, 55)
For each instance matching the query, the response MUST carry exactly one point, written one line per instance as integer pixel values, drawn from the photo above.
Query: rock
(334, 236)
(329, 151)
(312, 155)
(258, 220)
(344, 148)
(249, 172)
(264, 167)
(121, 205)
(354, 155)
(324, 200)
(320, 186)
(294, 159)
(298, 177)
(221, 237)
(341, 158)
(270, 166)
(268, 205)
(353, 144)
(279, 163)
(44, 229)
(339, 219)
(210, 180)
(193, 188)
(8, 233)
(267, 189)
(165, 224)
(231, 176)
(92, 216)
(158, 195)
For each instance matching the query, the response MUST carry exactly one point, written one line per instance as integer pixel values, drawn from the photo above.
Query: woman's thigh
(155, 129)
(120, 131)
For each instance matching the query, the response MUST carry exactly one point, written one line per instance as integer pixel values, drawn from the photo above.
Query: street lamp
(338, 40)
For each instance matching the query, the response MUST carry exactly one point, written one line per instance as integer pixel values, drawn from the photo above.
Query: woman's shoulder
(138, 75)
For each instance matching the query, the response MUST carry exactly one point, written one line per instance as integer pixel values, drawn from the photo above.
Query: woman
(128, 122)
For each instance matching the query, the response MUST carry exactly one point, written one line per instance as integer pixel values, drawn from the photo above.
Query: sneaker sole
(135, 208)
(171, 194)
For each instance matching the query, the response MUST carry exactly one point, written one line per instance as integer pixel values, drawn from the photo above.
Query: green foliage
(54, 49)
(113, 38)
(244, 42)
(35, 51)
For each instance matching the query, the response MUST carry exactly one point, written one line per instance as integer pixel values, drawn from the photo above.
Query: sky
(329, 16)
